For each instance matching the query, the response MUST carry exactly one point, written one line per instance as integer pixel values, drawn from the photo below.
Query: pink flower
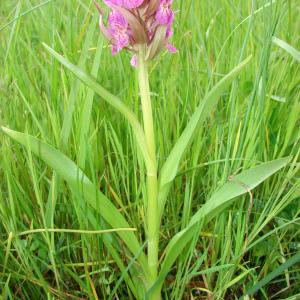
(112, 3)
(164, 14)
(134, 22)
(118, 31)
(134, 61)
(117, 21)
(171, 48)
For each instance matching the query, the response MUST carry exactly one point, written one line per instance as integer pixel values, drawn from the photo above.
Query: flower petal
(164, 14)
(134, 61)
(171, 48)
(112, 3)
(130, 4)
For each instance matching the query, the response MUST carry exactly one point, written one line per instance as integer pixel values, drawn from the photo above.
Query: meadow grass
(54, 246)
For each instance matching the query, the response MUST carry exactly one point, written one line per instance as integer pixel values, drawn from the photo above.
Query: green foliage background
(256, 120)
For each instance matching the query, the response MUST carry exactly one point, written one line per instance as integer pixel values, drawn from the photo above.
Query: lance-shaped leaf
(110, 99)
(238, 185)
(170, 167)
(80, 183)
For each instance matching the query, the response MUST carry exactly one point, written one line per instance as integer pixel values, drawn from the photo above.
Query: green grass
(250, 247)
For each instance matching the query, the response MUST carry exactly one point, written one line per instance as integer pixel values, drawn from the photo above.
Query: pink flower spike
(132, 23)
(134, 61)
(171, 48)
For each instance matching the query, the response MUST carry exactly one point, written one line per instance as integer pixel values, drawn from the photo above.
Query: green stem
(152, 184)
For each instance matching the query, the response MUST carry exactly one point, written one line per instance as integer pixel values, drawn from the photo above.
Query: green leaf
(110, 99)
(239, 185)
(170, 167)
(290, 262)
(288, 48)
(81, 184)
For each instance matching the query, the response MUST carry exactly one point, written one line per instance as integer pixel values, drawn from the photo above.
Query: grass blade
(24, 14)
(288, 48)
(75, 87)
(85, 118)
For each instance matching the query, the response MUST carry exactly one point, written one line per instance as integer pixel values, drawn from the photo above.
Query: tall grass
(217, 137)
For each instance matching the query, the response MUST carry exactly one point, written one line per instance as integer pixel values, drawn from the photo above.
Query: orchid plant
(144, 28)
